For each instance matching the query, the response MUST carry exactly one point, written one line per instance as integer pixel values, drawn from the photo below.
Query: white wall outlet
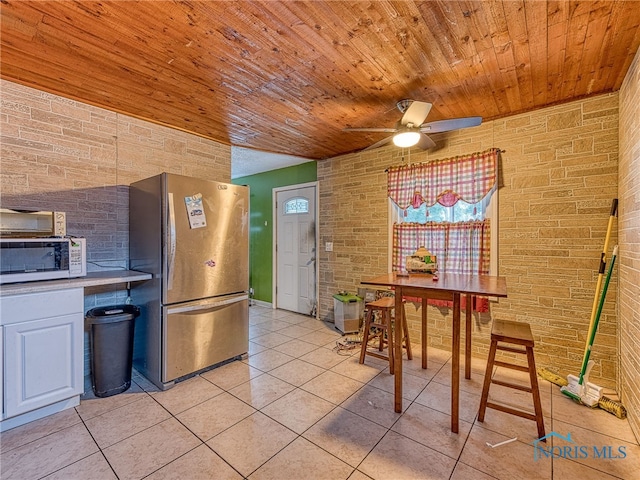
(328, 246)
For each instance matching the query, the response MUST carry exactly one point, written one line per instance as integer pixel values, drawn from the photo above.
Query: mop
(543, 372)
(571, 383)
(603, 257)
(579, 388)
(607, 404)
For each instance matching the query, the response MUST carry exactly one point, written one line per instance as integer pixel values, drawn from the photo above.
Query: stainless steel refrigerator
(192, 235)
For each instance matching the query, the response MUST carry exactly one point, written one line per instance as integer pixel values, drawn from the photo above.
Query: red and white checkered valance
(468, 178)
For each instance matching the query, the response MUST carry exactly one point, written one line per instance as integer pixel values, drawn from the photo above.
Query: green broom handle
(592, 334)
(601, 268)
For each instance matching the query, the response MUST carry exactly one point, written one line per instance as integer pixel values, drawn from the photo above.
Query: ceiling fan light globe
(406, 139)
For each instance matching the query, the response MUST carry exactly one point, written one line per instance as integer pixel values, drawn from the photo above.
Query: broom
(605, 403)
(579, 388)
(614, 210)
(575, 384)
(603, 256)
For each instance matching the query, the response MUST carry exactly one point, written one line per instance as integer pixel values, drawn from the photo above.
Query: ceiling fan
(411, 129)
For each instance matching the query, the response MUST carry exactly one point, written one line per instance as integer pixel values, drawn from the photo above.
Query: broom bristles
(552, 377)
(613, 407)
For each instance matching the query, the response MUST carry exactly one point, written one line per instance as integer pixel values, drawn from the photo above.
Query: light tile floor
(296, 408)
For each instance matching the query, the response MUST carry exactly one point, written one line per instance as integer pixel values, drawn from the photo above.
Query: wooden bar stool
(384, 326)
(514, 333)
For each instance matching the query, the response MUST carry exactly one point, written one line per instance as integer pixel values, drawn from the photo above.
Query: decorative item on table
(422, 261)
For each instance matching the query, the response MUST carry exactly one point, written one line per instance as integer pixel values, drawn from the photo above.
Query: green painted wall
(261, 233)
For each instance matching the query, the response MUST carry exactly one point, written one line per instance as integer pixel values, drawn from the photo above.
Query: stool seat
(512, 333)
(384, 306)
(384, 302)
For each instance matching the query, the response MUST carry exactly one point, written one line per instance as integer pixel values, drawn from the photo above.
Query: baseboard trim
(260, 303)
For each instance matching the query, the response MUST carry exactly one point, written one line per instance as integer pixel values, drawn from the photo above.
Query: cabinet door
(41, 362)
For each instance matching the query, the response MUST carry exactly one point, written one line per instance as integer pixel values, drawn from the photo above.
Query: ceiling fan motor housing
(411, 130)
(404, 104)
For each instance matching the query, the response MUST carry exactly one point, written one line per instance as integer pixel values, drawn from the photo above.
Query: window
(461, 211)
(463, 237)
(450, 207)
(296, 205)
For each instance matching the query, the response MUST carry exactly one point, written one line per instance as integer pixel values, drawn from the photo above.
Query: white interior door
(296, 249)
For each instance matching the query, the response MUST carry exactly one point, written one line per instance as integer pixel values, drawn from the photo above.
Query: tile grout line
(554, 402)
(202, 442)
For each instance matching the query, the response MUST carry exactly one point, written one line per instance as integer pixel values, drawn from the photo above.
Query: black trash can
(111, 347)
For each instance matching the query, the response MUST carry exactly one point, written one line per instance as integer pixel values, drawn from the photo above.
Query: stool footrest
(512, 411)
(381, 356)
(381, 326)
(511, 366)
(377, 334)
(512, 385)
(511, 349)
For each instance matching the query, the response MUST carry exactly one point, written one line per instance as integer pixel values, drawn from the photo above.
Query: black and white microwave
(31, 259)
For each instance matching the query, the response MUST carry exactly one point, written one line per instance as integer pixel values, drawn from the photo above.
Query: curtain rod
(386, 170)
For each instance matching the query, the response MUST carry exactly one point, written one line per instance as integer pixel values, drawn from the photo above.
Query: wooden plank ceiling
(288, 76)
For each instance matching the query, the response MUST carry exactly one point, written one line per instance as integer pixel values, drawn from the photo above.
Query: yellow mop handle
(603, 257)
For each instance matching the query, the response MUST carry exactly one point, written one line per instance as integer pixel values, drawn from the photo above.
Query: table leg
(423, 337)
(467, 339)
(397, 361)
(455, 364)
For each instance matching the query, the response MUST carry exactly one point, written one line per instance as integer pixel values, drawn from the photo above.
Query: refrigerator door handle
(172, 241)
(206, 305)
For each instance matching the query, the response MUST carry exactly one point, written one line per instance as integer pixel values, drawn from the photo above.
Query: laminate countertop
(105, 277)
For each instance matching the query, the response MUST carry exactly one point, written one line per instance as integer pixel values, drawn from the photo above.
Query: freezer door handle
(207, 305)
(172, 241)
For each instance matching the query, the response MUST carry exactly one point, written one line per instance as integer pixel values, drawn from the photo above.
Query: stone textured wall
(629, 228)
(559, 173)
(558, 178)
(60, 154)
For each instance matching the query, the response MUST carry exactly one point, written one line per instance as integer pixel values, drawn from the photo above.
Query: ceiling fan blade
(425, 143)
(416, 113)
(379, 144)
(386, 130)
(451, 124)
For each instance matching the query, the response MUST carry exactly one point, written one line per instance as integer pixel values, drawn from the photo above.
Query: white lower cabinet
(43, 354)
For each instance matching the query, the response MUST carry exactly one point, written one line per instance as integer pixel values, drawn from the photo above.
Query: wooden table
(448, 287)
